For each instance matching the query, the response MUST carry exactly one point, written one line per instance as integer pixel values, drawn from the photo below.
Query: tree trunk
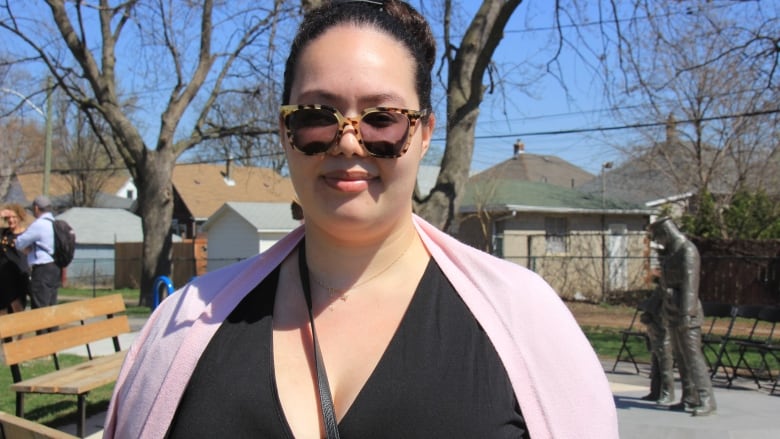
(155, 206)
(465, 91)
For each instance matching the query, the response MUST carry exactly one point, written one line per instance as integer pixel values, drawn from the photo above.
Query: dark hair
(394, 17)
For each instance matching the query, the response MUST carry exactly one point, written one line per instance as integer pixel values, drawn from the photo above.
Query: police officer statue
(680, 269)
(660, 341)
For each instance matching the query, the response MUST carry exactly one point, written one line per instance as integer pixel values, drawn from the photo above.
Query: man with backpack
(38, 242)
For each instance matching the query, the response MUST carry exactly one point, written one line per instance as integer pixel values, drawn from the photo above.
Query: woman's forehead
(350, 60)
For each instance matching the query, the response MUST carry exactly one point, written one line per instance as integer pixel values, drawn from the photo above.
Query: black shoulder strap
(326, 400)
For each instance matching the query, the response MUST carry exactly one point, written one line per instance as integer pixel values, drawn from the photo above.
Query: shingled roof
(203, 188)
(530, 196)
(666, 170)
(31, 185)
(536, 168)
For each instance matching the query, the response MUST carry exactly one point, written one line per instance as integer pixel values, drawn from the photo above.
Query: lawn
(131, 297)
(52, 410)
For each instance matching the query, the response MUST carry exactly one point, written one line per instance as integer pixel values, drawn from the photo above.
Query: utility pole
(604, 280)
(47, 143)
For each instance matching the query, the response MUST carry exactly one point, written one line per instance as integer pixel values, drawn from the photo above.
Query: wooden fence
(188, 261)
(740, 272)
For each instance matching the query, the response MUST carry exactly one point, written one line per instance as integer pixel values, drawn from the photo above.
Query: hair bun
(416, 25)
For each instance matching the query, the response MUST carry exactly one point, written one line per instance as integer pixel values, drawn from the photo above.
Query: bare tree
(86, 161)
(466, 65)
(189, 51)
(21, 145)
(21, 138)
(700, 67)
(245, 150)
(701, 80)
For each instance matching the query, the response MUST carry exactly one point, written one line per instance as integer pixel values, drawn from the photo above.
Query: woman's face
(346, 190)
(11, 219)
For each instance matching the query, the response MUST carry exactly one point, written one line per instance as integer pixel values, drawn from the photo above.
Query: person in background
(14, 270)
(38, 242)
(417, 335)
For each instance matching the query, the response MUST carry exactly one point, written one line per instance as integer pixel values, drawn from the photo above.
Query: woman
(366, 316)
(14, 271)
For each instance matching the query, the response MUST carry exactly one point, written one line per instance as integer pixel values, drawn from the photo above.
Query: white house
(239, 230)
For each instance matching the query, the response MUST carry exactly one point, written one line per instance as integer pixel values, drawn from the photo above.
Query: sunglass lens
(313, 130)
(384, 133)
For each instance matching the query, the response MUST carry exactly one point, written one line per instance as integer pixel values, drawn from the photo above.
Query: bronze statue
(660, 341)
(680, 270)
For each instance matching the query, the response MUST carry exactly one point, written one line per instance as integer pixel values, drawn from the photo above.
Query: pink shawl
(558, 380)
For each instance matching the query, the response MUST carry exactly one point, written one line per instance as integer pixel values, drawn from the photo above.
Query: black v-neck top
(440, 377)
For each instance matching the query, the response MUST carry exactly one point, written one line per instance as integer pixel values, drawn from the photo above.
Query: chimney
(519, 148)
(227, 175)
(227, 167)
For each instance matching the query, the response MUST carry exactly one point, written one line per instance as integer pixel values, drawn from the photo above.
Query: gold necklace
(341, 293)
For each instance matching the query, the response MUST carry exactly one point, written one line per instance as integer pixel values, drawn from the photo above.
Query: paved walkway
(744, 412)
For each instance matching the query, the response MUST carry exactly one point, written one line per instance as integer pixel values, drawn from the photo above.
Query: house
(97, 231)
(672, 172)
(525, 166)
(239, 230)
(116, 191)
(586, 247)
(201, 189)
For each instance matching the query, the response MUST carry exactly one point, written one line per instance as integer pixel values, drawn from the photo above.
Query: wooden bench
(14, 427)
(24, 337)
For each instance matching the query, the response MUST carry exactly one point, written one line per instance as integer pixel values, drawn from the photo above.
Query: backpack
(64, 243)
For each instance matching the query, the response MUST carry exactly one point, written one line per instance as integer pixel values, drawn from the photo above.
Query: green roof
(536, 194)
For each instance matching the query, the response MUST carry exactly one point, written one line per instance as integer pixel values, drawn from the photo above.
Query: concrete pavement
(744, 411)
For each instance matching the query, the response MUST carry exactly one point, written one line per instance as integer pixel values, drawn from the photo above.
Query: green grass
(52, 410)
(131, 297)
(607, 341)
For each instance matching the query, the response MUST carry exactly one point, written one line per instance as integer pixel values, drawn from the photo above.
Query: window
(555, 231)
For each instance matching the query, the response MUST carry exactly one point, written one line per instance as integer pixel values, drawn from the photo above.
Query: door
(617, 257)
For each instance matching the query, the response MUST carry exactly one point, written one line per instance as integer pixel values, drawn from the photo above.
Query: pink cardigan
(559, 383)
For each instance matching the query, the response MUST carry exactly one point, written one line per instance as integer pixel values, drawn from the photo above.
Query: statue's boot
(652, 396)
(655, 384)
(707, 405)
(688, 402)
(666, 387)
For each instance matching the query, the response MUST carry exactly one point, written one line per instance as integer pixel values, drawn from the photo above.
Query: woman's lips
(348, 181)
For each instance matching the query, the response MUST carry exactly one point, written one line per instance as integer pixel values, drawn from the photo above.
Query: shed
(239, 230)
(97, 230)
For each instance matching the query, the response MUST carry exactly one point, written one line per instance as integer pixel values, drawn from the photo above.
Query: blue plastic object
(161, 281)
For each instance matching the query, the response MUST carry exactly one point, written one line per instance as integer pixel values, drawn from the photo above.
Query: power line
(620, 127)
